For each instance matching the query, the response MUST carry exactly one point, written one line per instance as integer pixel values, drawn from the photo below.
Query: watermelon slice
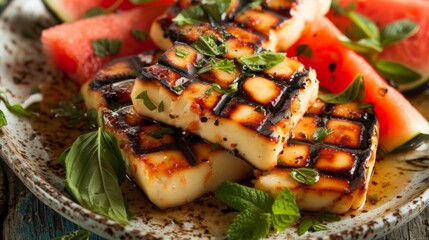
(69, 47)
(71, 10)
(336, 67)
(412, 52)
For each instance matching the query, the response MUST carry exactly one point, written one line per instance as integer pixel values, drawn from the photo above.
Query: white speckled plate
(31, 149)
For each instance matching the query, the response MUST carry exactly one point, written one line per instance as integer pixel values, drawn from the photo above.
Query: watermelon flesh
(69, 48)
(336, 67)
(412, 52)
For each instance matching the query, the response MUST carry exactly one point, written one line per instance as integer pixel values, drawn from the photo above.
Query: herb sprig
(366, 38)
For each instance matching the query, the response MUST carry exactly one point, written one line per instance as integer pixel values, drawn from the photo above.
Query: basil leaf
(397, 72)
(364, 27)
(146, 100)
(354, 91)
(255, 3)
(95, 11)
(306, 176)
(159, 133)
(225, 65)
(181, 52)
(397, 31)
(250, 224)
(210, 45)
(3, 120)
(140, 35)
(216, 9)
(216, 87)
(75, 235)
(94, 170)
(304, 49)
(106, 47)
(189, 16)
(261, 61)
(305, 225)
(285, 210)
(241, 197)
(74, 111)
(320, 134)
(367, 106)
(364, 46)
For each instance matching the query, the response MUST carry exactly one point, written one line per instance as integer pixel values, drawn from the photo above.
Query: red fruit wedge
(71, 10)
(412, 52)
(336, 67)
(68, 46)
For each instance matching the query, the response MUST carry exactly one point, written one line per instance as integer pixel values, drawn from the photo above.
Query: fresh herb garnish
(94, 171)
(178, 88)
(214, 147)
(140, 35)
(95, 11)
(365, 38)
(261, 61)
(305, 50)
(159, 133)
(190, 16)
(106, 47)
(210, 45)
(260, 109)
(161, 106)
(181, 52)
(255, 3)
(320, 134)
(141, 1)
(397, 31)
(397, 72)
(306, 176)
(354, 91)
(75, 112)
(367, 106)
(225, 65)
(258, 210)
(146, 100)
(310, 224)
(216, 87)
(75, 235)
(216, 9)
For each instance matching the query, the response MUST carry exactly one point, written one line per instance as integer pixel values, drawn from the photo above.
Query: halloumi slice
(274, 24)
(171, 166)
(344, 159)
(254, 121)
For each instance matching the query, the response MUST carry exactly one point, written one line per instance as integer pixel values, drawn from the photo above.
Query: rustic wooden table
(23, 216)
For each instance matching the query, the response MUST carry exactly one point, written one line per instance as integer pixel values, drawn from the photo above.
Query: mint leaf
(146, 100)
(189, 16)
(397, 31)
(140, 35)
(306, 176)
(354, 91)
(364, 46)
(285, 210)
(75, 235)
(250, 224)
(159, 133)
(106, 47)
(210, 45)
(320, 134)
(261, 61)
(363, 27)
(397, 72)
(95, 11)
(216, 9)
(241, 197)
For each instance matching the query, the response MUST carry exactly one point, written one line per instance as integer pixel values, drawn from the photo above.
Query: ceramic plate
(31, 149)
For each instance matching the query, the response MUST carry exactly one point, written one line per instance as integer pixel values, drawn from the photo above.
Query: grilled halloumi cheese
(253, 120)
(275, 24)
(344, 159)
(171, 166)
